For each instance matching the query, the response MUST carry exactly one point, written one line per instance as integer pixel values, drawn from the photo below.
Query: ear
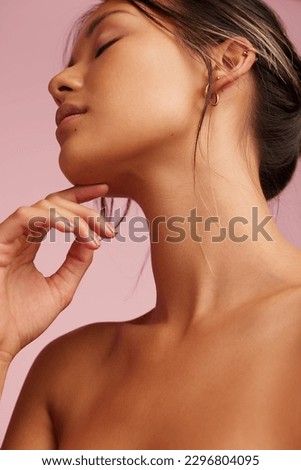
(233, 58)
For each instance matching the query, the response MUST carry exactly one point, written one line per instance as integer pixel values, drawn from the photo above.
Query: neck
(209, 266)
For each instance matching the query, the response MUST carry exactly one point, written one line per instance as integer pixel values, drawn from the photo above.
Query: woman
(193, 109)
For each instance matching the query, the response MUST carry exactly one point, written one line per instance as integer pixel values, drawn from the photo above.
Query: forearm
(4, 365)
(3, 371)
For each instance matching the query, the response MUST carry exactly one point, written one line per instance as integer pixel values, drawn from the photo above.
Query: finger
(69, 222)
(23, 221)
(81, 194)
(26, 219)
(66, 280)
(33, 223)
(93, 218)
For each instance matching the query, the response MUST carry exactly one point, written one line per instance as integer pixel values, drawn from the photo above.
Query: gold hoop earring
(217, 97)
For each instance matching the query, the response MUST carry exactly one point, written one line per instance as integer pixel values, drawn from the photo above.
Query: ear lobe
(236, 56)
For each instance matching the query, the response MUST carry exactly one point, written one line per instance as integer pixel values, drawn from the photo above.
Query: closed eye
(104, 47)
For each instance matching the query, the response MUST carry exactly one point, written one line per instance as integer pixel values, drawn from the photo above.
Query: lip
(68, 110)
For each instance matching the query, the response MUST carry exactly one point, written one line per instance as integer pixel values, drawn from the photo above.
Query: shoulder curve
(53, 378)
(60, 360)
(95, 337)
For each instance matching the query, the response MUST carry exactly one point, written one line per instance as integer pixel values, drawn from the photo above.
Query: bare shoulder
(82, 338)
(280, 317)
(55, 376)
(61, 364)
(290, 305)
(78, 348)
(73, 360)
(285, 303)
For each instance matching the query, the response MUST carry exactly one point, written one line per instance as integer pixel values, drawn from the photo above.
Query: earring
(217, 97)
(246, 53)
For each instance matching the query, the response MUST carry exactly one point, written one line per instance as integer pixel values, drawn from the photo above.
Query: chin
(73, 170)
(80, 180)
(84, 166)
(75, 177)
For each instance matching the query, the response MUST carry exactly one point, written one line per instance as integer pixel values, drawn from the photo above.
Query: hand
(29, 302)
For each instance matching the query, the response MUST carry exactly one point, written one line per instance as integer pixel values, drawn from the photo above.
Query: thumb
(68, 276)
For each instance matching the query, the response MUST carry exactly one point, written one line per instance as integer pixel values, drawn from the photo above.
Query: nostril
(65, 88)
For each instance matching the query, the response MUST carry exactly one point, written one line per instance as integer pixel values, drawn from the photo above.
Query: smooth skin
(216, 363)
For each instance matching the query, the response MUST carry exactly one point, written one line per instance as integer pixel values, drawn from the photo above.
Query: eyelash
(104, 47)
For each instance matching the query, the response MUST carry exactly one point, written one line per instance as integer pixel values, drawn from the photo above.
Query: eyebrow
(101, 18)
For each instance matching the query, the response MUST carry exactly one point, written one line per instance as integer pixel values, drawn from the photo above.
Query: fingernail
(110, 228)
(103, 185)
(106, 226)
(97, 240)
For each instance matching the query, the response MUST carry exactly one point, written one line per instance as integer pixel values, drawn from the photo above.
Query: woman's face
(138, 96)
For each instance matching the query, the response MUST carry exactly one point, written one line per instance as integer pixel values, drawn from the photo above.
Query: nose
(65, 82)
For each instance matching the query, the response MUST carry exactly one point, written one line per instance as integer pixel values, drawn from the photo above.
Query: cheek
(143, 95)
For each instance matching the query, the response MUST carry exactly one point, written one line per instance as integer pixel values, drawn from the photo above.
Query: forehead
(128, 14)
(85, 25)
(106, 6)
(103, 10)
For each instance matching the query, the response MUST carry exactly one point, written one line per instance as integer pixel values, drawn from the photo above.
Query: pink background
(32, 36)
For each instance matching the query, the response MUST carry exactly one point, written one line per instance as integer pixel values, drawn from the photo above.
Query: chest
(229, 399)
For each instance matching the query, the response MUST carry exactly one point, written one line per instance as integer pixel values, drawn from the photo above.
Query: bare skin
(216, 363)
(226, 385)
